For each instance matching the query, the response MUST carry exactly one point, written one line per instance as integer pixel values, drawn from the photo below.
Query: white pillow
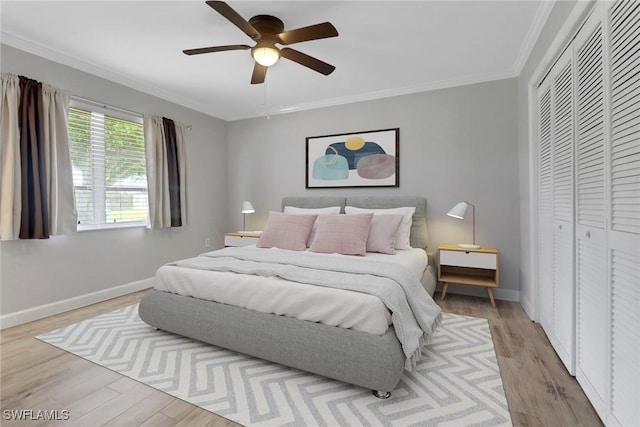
(312, 211)
(403, 240)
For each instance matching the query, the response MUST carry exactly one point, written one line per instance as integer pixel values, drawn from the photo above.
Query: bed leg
(381, 394)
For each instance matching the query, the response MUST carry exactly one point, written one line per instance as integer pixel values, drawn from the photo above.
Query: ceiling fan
(267, 31)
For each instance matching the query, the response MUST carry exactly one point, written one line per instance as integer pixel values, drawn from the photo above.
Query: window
(109, 167)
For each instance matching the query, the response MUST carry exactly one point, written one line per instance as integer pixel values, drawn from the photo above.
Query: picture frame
(356, 159)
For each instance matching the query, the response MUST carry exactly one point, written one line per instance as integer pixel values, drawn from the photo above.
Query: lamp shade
(459, 210)
(265, 56)
(247, 207)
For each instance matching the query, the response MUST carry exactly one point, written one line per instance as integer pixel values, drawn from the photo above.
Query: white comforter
(330, 306)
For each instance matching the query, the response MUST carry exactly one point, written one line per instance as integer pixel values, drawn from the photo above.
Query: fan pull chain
(266, 96)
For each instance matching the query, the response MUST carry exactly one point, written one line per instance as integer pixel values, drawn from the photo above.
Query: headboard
(418, 227)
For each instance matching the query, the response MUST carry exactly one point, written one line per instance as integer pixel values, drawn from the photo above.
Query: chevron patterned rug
(456, 384)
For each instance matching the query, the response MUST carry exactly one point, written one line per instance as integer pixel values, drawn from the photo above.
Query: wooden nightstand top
(244, 233)
(455, 247)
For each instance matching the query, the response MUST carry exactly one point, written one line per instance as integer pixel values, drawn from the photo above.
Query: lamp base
(468, 246)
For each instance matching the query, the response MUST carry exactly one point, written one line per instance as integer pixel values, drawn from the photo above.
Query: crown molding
(370, 96)
(543, 12)
(141, 86)
(97, 70)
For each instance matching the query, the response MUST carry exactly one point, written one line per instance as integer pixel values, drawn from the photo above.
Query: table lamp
(247, 208)
(459, 211)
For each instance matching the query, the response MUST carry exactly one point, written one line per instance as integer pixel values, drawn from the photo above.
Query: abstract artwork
(359, 159)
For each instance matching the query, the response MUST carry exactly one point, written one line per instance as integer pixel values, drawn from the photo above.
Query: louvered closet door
(623, 20)
(591, 255)
(545, 206)
(562, 125)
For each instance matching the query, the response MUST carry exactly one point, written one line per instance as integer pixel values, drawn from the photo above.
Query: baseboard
(527, 306)
(35, 313)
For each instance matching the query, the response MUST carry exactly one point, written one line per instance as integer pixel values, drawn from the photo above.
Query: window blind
(109, 169)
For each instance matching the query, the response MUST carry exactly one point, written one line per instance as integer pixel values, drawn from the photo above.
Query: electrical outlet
(207, 242)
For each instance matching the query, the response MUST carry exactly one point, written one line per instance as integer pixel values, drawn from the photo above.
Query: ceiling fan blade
(216, 49)
(308, 61)
(312, 32)
(225, 10)
(259, 74)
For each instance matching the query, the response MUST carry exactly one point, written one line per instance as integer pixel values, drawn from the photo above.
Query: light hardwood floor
(37, 376)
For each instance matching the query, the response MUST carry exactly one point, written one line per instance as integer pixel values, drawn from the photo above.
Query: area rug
(457, 383)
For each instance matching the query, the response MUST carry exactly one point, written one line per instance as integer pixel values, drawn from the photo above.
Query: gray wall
(38, 272)
(455, 144)
(555, 22)
(470, 143)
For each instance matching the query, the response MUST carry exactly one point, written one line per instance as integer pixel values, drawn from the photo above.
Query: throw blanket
(414, 314)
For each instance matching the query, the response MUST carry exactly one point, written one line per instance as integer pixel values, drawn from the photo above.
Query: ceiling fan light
(266, 56)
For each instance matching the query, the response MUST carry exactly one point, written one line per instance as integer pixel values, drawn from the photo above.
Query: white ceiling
(385, 48)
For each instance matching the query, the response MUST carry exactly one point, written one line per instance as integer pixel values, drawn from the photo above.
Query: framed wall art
(357, 159)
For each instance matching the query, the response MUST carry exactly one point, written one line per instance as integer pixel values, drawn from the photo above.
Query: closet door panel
(562, 114)
(624, 231)
(591, 255)
(562, 336)
(592, 312)
(545, 207)
(625, 343)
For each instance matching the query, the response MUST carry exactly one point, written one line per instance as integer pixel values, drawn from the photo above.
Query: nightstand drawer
(240, 240)
(468, 259)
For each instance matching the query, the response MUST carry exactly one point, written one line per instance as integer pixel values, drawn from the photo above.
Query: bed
(371, 360)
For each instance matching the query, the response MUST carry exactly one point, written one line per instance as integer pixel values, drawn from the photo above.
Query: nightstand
(241, 238)
(474, 267)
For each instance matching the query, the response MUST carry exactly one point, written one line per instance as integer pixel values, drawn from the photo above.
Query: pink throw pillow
(383, 232)
(403, 237)
(312, 211)
(343, 234)
(286, 231)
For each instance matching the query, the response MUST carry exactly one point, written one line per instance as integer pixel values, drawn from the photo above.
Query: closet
(588, 209)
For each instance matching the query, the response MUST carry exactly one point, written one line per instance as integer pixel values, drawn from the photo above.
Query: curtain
(166, 172)
(34, 214)
(181, 139)
(62, 213)
(37, 178)
(10, 183)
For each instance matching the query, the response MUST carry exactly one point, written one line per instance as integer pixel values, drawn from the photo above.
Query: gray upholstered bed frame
(370, 361)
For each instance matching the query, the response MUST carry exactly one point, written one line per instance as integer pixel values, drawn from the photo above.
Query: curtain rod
(105, 106)
(110, 107)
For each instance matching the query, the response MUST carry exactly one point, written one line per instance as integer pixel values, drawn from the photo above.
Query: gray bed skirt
(370, 361)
